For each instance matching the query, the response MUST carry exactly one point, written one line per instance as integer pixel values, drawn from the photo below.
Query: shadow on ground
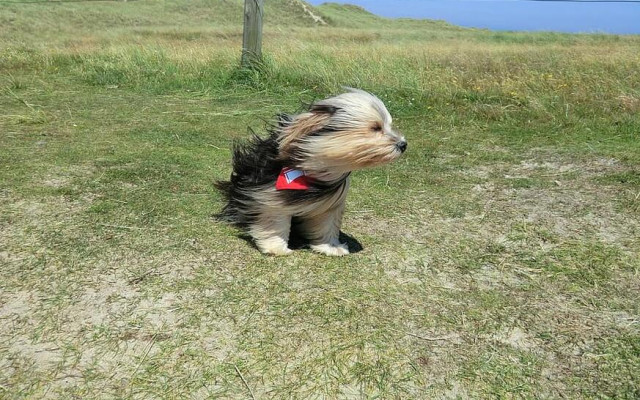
(299, 243)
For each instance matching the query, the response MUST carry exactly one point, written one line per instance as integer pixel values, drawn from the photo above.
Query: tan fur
(352, 150)
(303, 125)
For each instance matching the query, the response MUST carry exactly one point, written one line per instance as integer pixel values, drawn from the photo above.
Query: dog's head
(341, 134)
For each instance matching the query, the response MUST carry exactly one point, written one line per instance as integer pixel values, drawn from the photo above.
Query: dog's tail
(256, 163)
(224, 187)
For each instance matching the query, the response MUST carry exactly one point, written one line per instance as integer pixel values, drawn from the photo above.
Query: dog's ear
(323, 109)
(301, 126)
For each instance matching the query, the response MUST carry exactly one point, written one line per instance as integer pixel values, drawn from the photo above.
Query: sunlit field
(499, 258)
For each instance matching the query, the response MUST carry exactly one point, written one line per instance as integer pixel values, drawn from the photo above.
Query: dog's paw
(277, 251)
(337, 250)
(275, 245)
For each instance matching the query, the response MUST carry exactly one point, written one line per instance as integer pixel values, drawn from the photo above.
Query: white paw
(278, 252)
(337, 250)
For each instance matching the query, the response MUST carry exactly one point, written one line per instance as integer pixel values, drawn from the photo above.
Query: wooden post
(252, 36)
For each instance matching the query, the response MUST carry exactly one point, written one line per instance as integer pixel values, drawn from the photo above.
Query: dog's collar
(296, 179)
(293, 179)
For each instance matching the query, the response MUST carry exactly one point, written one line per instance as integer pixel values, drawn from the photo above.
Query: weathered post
(252, 36)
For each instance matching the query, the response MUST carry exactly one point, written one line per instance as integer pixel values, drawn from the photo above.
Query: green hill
(351, 16)
(59, 21)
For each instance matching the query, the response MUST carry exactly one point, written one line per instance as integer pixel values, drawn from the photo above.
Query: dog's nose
(402, 145)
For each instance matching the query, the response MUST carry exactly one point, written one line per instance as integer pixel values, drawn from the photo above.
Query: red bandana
(292, 179)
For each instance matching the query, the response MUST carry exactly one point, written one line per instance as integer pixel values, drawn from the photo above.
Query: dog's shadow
(297, 242)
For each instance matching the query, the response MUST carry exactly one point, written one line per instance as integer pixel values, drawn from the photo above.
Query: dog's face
(343, 133)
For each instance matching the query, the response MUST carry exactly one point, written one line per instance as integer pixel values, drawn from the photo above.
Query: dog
(298, 176)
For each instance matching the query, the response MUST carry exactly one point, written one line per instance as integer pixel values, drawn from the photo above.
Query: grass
(499, 257)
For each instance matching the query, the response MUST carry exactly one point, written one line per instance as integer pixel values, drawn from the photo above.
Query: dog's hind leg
(271, 234)
(323, 230)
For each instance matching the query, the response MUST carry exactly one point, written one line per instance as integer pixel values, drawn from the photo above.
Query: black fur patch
(323, 109)
(327, 130)
(255, 163)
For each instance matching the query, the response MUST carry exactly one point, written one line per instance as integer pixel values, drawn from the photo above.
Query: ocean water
(516, 15)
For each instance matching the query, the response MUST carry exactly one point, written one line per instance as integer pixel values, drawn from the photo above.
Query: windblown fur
(334, 137)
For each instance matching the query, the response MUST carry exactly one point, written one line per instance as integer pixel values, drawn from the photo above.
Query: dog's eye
(377, 128)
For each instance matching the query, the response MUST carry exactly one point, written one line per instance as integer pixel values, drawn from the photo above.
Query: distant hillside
(54, 24)
(60, 20)
(352, 16)
(347, 15)
(49, 18)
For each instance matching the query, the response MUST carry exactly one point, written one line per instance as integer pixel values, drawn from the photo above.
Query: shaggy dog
(298, 176)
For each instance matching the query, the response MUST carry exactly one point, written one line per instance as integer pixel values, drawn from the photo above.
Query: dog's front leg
(323, 230)
(271, 234)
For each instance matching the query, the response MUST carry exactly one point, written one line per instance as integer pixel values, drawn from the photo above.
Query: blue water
(514, 15)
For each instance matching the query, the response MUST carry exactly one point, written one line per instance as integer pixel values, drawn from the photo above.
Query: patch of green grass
(607, 364)
(586, 264)
(504, 373)
(631, 178)
(627, 183)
